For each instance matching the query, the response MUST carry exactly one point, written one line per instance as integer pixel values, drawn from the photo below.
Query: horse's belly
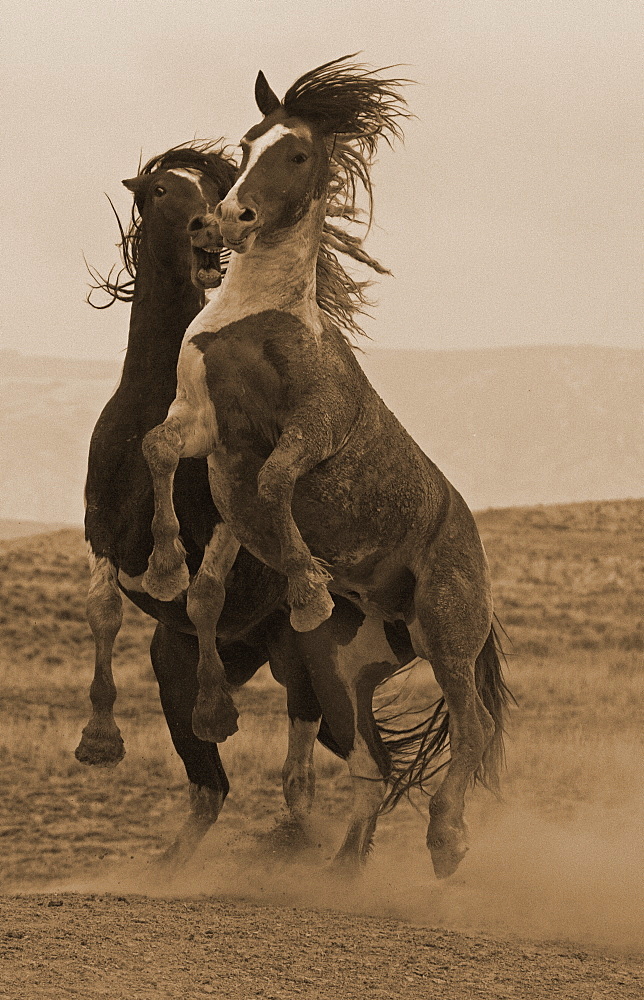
(346, 530)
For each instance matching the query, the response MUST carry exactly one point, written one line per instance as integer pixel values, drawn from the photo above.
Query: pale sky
(512, 214)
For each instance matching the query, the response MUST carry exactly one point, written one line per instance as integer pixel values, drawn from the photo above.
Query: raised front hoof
(318, 607)
(215, 719)
(99, 748)
(447, 854)
(165, 586)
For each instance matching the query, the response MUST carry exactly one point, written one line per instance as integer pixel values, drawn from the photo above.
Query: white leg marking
(298, 776)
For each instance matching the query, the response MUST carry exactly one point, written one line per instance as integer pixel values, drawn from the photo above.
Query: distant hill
(24, 529)
(523, 425)
(565, 577)
(509, 426)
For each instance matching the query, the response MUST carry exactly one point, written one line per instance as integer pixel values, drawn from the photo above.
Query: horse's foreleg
(174, 657)
(214, 717)
(101, 742)
(167, 574)
(308, 595)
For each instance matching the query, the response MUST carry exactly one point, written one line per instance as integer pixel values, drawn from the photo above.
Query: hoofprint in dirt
(131, 947)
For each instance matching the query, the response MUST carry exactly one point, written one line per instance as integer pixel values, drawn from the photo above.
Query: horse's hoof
(100, 749)
(447, 854)
(306, 617)
(166, 586)
(348, 867)
(215, 720)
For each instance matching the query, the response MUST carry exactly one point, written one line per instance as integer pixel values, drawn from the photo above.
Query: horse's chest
(247, 390)
(246, 397)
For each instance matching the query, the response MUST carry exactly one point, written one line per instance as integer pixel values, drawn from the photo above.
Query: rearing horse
(304, 457)
(165, 282)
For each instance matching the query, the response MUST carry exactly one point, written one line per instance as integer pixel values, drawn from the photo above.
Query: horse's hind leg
(452, 651)
(101, 742)
(174, 658)
(344, 678)
(304, 715)
(308, 596)
(369, 767)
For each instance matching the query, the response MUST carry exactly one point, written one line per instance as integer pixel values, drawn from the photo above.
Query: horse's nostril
(196, 224)
(247, 215)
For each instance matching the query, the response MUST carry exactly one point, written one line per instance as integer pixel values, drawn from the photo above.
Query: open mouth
(242, 244)
(209, 266)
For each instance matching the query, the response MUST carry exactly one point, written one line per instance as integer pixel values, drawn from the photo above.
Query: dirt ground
(548, 904)
(63, 946)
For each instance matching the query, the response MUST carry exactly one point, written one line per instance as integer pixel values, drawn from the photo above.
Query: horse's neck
(162, 308)
(277, 275)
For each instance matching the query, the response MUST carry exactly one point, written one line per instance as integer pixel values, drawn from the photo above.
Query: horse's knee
(274, 481)
(104, 611)
(206, 596)
(104, 606)
(162, 448)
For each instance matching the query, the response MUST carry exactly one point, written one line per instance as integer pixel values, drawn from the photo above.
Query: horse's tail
(419, 752)
(411, 753)
(496, 696)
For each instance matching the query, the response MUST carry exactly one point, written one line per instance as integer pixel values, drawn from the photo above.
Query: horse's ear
(267, 102)
(138, 186)
(134, 184)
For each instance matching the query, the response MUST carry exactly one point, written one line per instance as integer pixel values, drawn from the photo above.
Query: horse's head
(284, 168)
(314, 145)
(167, 197)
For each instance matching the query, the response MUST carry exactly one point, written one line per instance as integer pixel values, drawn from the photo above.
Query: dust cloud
(526, 875)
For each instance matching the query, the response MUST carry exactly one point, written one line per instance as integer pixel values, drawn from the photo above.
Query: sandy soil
(61, 946)
(548, 904)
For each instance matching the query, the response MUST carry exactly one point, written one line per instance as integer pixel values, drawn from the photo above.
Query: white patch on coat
(192, 405)
(102, 572)
(275, 278)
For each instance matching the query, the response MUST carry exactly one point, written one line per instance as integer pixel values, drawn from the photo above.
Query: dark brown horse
(169, 191)
(305, 458)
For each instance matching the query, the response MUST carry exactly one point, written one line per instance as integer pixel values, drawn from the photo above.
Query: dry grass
(568, 588)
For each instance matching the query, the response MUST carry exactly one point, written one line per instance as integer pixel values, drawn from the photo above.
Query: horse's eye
(159, 191)
(300, 158)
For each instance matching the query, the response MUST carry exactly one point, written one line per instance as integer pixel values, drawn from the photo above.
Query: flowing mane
(349, 102)
(209, 157)
(342, 99)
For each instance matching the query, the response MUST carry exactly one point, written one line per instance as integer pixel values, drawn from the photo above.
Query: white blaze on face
(261, 144)
(192, 175)
(257, 147)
